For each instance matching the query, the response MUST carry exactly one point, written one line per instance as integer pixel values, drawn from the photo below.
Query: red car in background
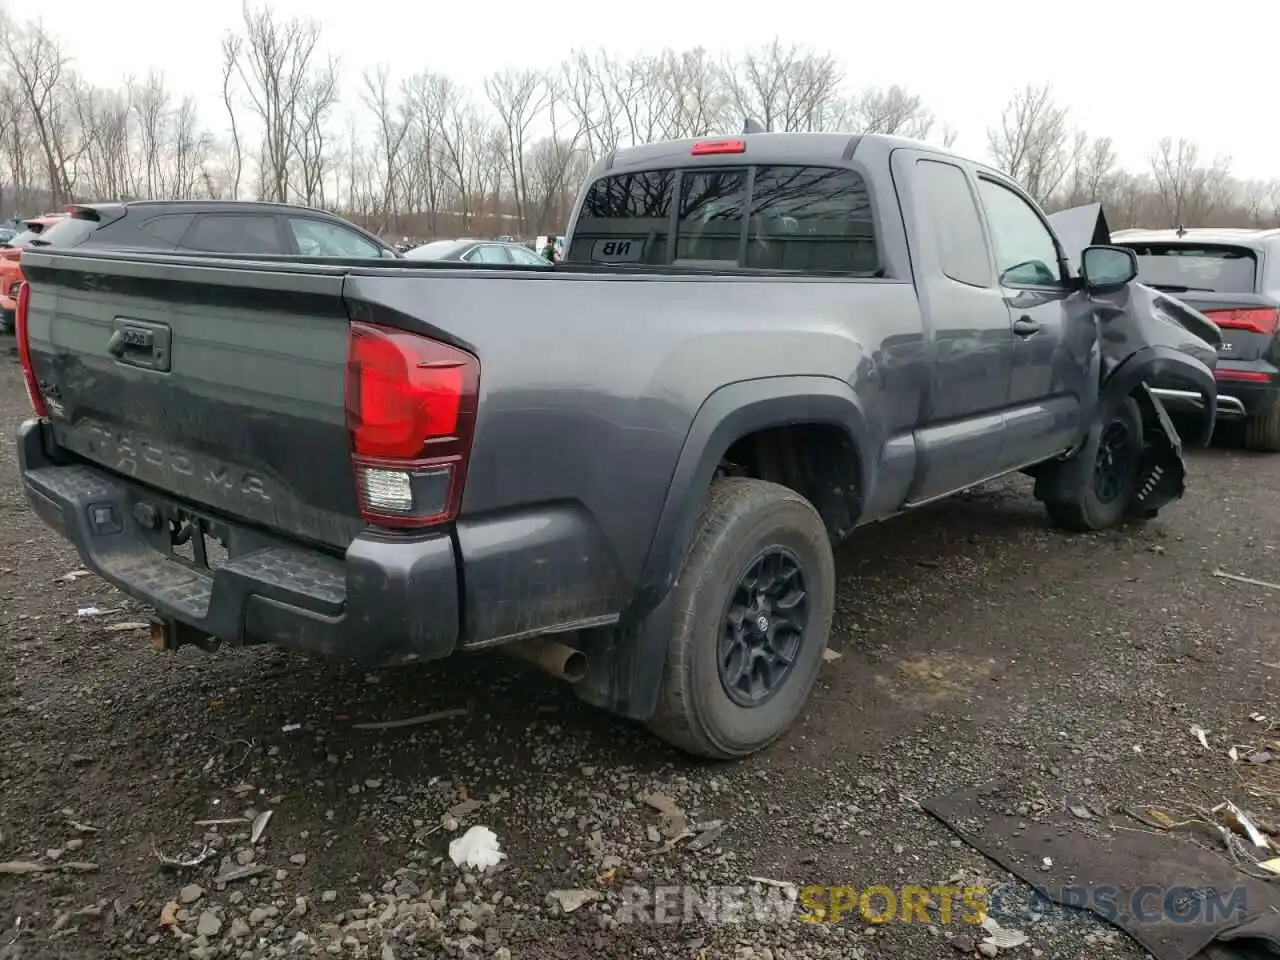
(11, 266)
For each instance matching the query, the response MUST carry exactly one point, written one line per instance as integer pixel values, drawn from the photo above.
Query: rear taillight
(23, 338)
(411, 413)
(1254, 319)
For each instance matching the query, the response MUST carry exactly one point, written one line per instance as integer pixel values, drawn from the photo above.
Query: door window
(488, 253)
(957, 228)
(526, 257)
(319, 238)
(1026, 253)
(231, 233)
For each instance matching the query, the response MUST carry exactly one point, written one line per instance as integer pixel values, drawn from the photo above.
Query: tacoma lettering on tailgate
(164, 464)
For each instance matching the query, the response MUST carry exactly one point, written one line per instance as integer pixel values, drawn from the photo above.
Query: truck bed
(586, 397)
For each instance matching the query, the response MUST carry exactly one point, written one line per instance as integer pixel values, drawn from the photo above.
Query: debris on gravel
(253, 804)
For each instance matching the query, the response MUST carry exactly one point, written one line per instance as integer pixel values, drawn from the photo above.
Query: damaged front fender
(1147, 337)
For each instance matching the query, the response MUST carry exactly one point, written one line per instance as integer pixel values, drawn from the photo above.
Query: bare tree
(519, 97)
(1032, 142)
(786, 88)
(893, 111)
(700, 102)
(278, 66)
(1189, 191)
(392, 128)
(231, 47)
(40, 71)
(309, 137)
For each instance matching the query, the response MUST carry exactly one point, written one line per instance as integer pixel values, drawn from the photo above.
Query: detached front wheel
(1104, 473)
(753, 608)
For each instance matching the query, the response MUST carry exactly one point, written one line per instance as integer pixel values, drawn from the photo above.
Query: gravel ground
(974, 642)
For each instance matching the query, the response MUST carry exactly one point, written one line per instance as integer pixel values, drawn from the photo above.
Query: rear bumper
(389, 600)
(1238, 398)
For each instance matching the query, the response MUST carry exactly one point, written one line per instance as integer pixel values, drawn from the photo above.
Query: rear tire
(1114, 454)
(1262, 434)
(756, 591)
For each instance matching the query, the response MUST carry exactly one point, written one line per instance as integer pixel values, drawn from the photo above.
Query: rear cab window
(775, 217)
(1185, 267)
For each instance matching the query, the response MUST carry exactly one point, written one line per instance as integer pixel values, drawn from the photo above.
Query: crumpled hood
(1087, 226)
(1078, 228)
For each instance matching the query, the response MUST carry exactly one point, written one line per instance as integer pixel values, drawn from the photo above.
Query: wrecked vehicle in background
(631, 468)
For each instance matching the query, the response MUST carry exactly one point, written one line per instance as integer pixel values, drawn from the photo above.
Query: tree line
(419, 153)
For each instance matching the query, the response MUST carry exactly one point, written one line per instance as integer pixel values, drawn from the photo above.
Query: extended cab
(631, 467)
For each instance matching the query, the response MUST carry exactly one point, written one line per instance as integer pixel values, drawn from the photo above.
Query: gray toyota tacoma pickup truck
(630, 467)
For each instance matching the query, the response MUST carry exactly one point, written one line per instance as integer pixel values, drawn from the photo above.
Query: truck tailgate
(218, 382)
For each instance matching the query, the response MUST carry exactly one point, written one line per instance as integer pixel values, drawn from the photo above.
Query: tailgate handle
(140, 343)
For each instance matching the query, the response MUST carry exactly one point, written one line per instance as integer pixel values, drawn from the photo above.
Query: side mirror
(1107, 268)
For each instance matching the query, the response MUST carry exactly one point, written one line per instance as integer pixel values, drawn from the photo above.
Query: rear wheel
(1263, 433)
(1100, 496)
(753, 607)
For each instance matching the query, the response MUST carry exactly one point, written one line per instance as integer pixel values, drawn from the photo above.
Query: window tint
(526, 257)
(1190, 266)
(320, 238)
(626, 219)
(957, 228)
(711, 207)
(488, 253)
(1026, 254)
(811, 219)
(169, 228)
(22, 239)
(67, 232)
(436, 250)
(220, 233)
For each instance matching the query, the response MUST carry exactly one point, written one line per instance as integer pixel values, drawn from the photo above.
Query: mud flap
(1162, 476)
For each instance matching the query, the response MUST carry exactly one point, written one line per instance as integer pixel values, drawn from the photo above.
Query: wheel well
(817, 460)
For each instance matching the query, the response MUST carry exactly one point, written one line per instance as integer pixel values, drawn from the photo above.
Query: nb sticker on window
(617, 251)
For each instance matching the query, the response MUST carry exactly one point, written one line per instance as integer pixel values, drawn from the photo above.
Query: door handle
(1025, 327)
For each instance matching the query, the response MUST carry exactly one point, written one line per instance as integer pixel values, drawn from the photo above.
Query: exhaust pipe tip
(575, 666)
(558, 659)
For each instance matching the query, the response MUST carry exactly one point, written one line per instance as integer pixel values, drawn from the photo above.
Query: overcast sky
(1135, 70)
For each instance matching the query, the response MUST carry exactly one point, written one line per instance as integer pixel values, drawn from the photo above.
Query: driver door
(1054, 332)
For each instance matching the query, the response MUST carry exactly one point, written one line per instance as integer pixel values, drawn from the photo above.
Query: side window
(320, 238)
(626, 218)
(711, 213)
(811, 220)
(488, 253)
(957, 227)
(526, 257)
(168, 228)
(1026, 255)
(231, 233)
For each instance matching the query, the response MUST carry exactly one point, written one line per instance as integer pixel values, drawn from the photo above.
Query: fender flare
(626, 662)
(1155, 361)
(732, 412)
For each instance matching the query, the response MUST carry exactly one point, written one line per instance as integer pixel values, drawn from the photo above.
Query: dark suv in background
(214, 226)
(1232, 276)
